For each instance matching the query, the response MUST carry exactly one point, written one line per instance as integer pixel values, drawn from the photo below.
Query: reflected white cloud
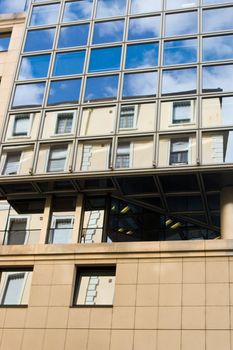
(147, 27)
(77, 10)
(46, 14)
(107, 8)
(142, 84)
(180, 51)
(181, 23)
(112, 29)
(25, 69)
(218, 77)
(212, 45)
(218, 19)
(175, 4)
(178, 81)
(29, 95)
(139, 6)
(7, 6)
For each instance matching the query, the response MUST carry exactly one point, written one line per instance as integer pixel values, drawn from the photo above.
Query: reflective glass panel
(180, 4)
(181, 23)
(28, 95)
(101, 88)
(73, 36)
(108, 32)
(105, 59)
(69, 63)
(44, 14)
(4, 41)
(142, 55)
(218, 19)
(139, 6)
(140, 84)
(179, 81)
(217, 111)
(211, 2)
(108, 8)
(143, 28)
(217, 78)
(180, 51)
(39, 40)
(34, 67)
(217, 48)
(217, 147)
(64, 91)
(12, 6)
(76, 10)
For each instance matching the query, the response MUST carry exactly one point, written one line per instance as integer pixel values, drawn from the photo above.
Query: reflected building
(116, 174)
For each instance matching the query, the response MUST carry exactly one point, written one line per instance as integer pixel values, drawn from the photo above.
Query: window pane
(34, 67)
(217, 78)
(142, 55)
(127, 117)
(57, 159)
(73, 36)
(64, 91)
(64, 123)
(138, 6)
(12, 163)
(180, 51)
(212, 45)
(218, 19)
(210, 2)
(108, 32)
(69, 63)
(39, 40)
(179, 151)
(181, 23)
(4, 41)
(108, 8)
(21, 125)
(143, 28)
(17, 231)
(28, 95)
(180, 81)
(45, 14)
(123, 155)
(176, 4)
(217, 147)
(182, 112)
(101, 88)
(76, 10)
(105, 59)
(217, 111)
(140, 84)
(13, 289)
(12, 6)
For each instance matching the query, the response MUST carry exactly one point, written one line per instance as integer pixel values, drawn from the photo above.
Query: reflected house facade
(116, 174)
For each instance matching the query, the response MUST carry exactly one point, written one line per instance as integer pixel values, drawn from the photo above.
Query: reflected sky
(64, 91)
(142, 28)
(4, 41)
(181, 23)
(218, 77)
(220, 109)
(101, 88)
(180, 4)
(139, 6)
(218, 19)
(107, 32)
(105, 59)
(68, 63)
(76, 10)
(179, 81)
(39, 40)
(142, 55)
(71, 36)
(180, 51)
(210, 2)
(140, 84)
(34, 67)
(211, 47)
(28, 95)
(108, 8)
(44, 14)
(12, 6)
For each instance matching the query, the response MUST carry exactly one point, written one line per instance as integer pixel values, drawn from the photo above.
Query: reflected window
(28, 95)
(64, 123)
(180, 51)
(21, 125)
(101, 88)
(144, 28)
(61, 230)
(123, 155)
(17, 231)
(12, 162)
(217, 147)
(138, 6)
(94, 155)
(181, 23)
(64, 91)
(127, 117)
(181, 112)
(140, 84)
(39, 40)
(108, 32)
(34, 67)
(218, 19)
(180, 4)
(44, 14)
(179, 81)
(179, 151)
(57, 158)
(77, 10)
(71, 36)
(217, 48)
(68, 63)
(217, 78)
(142, 55)
(105, 59)
(108, 8)
(217, 111)
(4, 41)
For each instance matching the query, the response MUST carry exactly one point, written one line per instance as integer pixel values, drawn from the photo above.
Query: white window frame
(56, 218)
(29, 126)
(4, 285)
(135, 117)
(192, 118)
(3, 163)
(170, 147)
(55, 134)
(48, 156)
(15, 217)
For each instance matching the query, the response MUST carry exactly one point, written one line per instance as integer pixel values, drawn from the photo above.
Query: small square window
(4, 41)
(14, 287)
(12, 162)
(95, 285)
(127, 117)
(57, 158)
(179, 151)
(64, 123)
(181, 112)
(123, 155)
(21, 125)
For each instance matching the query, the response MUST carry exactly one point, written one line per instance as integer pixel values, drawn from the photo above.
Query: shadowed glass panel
(140, 84)
(218, 78)
(217, 48)
(144, 28)
(71, 36)
(181, 23)
(180, 51)
(142, 55)
(108, 32)
(101, 88)
(44, 14)
(69, 63)
(179, 81)
(28, 95)
(34, 67)
(39, 40)
(77, 10)
(64, 91)
(105, 59)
